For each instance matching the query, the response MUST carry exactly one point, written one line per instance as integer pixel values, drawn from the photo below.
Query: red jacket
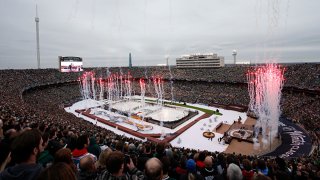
(180, 170)
(200, 165)
(247, 175)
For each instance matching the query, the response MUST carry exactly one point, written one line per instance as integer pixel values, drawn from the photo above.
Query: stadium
(37, 98)
(159, 90)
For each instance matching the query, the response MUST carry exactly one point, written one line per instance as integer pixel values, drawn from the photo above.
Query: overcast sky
(103, 32)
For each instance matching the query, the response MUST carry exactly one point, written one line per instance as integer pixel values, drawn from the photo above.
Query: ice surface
(191, 138)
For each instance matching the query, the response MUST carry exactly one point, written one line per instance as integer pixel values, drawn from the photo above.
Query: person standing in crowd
(45, 158)
(115, 168)
(65, 155)
(87, 168)
(234, 172)
(208, 171)
(58, 171)
(144, 155)
(247, 171)
(166, 168)
(262, 167)
(192, 172)
(153, 169)
(81, 150)
(24, 150)
(101, 163)
(199, 163)
(181, 168)
(93, 147)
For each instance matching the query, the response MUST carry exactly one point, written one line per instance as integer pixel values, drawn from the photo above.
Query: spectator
(87, 168)
(234, 172)
(247, 171)
(192, 171)
(58, 171)
(45, 158)
(101, 163)
(64, 155)
(93, 147)
(153, 169)
(81, 150)
(25, 149)
(221, 164)
(144, 155)
(10, 134)
(160, 150)
(115, 168)
(262, 167)
(200, 164)
(181, 168)
(208, 171)
(53, 144)
(166, 166)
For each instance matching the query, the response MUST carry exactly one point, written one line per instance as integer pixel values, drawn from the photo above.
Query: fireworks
(264, 85)
(158, 87)
(116, 86)
(87, 85)
(143, 90)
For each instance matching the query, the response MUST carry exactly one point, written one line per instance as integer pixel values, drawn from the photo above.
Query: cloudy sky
(103, 32)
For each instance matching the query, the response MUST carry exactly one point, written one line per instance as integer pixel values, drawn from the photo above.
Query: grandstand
(36, 99)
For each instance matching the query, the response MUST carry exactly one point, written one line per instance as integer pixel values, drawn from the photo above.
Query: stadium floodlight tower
(167, 60)
(234, 54)
(130, 61)
(37, 35)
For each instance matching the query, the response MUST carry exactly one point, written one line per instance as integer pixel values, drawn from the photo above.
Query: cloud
(104, 32)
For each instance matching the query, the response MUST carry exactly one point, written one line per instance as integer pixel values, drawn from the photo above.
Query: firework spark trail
(161, 89)
(116, 86)
(85, 88)
(264, 85)
(101, 87)
(158, 87)
(80, 87)
(93, 90)
(121, 83)
(143, 91)
(110, 87)
(117, 89)
(87, 85)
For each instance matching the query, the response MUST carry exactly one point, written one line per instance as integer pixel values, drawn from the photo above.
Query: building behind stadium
(210, 60)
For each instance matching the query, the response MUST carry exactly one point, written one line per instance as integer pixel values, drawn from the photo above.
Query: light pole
(37, 35)
(234, 54)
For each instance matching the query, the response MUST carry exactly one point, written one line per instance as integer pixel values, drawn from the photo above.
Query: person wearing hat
(192, 171)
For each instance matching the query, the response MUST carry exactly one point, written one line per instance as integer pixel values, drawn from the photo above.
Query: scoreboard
(70, 64)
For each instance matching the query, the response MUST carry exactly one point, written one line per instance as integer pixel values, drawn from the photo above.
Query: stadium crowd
(39, 140)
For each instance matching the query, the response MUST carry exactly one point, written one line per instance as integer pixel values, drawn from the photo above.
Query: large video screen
(70, 64)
